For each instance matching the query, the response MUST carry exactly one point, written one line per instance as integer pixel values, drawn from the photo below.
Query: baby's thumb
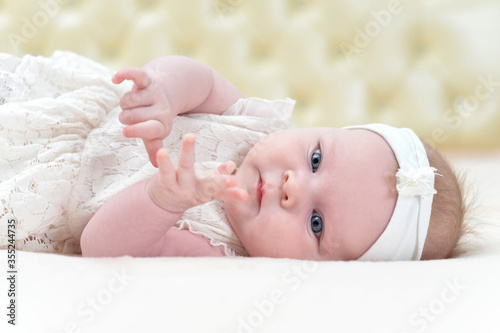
(152, 147)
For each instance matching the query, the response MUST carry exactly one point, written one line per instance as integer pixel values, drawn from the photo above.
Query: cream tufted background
(430, 65)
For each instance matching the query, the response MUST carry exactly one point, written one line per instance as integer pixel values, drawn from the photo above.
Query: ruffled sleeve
(263, 108)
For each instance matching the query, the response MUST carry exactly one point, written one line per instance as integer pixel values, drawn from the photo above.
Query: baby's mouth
(258, 191)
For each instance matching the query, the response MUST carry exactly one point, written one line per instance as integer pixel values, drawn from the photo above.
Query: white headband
(404, 236)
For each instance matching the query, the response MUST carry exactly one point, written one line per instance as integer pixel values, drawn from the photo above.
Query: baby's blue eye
(316, 159)
(316, 224)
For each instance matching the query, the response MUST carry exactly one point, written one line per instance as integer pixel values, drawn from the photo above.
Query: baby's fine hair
(449, 210)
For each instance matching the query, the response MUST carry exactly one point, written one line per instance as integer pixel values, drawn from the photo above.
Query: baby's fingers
(166, 168)
(152, 147)
(139, 76)
(185, 167)
(148, 130)
(232, 193)
(137, 98)
(214, 185)
(227, 168)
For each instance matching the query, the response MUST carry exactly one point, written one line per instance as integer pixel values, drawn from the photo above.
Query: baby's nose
(290, 189)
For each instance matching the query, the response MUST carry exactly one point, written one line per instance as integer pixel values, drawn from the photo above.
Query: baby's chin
(231, 212)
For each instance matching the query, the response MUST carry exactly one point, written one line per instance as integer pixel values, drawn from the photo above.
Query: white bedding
(71, 294)
(59, 293)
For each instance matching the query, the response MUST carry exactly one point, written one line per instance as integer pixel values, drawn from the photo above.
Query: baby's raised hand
(146, 110)
(177, 190)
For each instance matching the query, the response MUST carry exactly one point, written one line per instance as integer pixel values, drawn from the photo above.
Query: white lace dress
(62, 153)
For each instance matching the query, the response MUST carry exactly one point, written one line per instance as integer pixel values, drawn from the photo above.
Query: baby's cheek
(251, 243)
(256, 243)
(256, 151)
(265, 144)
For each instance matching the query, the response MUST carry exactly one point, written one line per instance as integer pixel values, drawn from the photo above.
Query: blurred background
(433, 66)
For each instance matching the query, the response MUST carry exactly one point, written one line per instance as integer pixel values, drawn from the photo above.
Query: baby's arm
(167, 87)
(192, 86)
(135, 222)
(130, 223)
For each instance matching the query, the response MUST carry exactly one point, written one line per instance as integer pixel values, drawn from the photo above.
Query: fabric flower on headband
(418, 181)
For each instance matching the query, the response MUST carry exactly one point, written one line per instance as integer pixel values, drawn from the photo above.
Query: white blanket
(73, 294)
(57, 293)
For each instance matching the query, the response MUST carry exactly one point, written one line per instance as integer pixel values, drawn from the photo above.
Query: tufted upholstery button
(227, 7)
(419, 50)
(147, 5)
(261, 53)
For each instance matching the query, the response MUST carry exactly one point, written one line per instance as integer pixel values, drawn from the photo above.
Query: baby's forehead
(372, 143)
(360, 141)
(363, 167)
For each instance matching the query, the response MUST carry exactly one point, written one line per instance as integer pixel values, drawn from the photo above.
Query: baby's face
(314, 193)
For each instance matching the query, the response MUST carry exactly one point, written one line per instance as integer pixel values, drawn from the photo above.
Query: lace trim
(228, 251)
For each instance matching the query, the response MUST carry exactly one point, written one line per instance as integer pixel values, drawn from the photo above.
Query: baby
(370, 192)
